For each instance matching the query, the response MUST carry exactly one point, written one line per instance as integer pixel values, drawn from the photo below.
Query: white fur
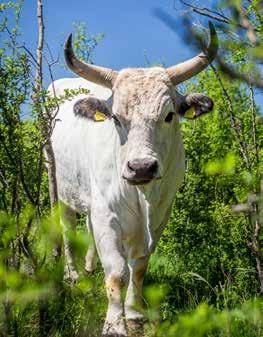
(126, 220)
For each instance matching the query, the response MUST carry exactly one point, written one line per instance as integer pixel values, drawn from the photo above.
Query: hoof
(135, 327)
(71, 276)
(91, 260)
(89, 269)
(114, 330)
(113, 335)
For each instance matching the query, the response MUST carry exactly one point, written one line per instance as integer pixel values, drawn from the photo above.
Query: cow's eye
(169, 117)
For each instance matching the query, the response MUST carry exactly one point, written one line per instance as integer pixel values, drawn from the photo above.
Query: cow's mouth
(138, 182)
(141, 181)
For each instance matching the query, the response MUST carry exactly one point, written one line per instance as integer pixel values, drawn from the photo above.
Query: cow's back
(76, 83)
(74, 139)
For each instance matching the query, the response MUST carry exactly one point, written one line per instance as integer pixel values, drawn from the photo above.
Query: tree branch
(234, 123)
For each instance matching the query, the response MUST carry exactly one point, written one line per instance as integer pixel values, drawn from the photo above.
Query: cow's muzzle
(141, 171)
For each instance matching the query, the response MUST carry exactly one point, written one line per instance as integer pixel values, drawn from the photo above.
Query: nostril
(136, 165)
(153, 167)
(130, 167)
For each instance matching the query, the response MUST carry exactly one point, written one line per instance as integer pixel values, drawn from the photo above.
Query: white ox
(123, 173)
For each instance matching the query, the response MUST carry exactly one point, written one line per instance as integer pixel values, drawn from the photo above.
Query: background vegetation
(206, 276)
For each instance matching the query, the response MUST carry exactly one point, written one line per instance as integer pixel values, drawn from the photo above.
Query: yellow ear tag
(99, 116)
(190, 113)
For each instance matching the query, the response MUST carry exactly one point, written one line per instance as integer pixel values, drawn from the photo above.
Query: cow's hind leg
(110, 250)
(91, 256)
(68, 222)
(134, 298)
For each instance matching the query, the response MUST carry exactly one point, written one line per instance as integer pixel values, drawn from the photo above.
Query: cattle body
(122, 172)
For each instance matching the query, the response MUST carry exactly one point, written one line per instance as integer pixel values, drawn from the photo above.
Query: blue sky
(131, 31)
(130, 28)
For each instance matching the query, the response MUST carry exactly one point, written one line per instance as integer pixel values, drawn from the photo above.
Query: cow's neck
(152, 203)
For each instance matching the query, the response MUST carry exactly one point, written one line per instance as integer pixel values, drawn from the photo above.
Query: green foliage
(207, 321)
(85, 43)
(221, 166)
(32, 290)
(203, 254)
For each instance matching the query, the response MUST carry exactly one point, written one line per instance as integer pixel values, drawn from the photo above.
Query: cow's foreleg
(110, 250)
(68, 222)
(91, 256)
(134, 299)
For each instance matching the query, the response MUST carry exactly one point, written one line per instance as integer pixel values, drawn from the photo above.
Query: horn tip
(213, 42)
(211, 28)
(68, 43)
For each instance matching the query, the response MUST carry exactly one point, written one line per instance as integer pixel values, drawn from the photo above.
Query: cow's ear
(92, 109)
(195, 105)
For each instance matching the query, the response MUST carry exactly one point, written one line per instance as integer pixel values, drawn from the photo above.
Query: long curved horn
(99, 75)
(185, 70)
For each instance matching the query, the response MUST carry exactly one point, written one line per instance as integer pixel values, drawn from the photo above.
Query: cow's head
(146, 108)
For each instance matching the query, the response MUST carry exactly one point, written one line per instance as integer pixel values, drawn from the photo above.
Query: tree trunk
(46, 128)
